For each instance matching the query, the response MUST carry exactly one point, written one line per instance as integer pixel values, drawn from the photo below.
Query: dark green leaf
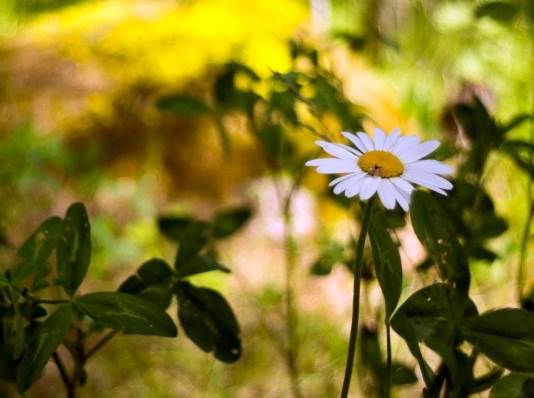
(433, 315)
(198, 265)
(209, 321)
(433, 228)
(133, 285)
(402, 374)
(3, 280)
(128, 313)
(226, 222)
(520, 152)
(154, 271)
(32, 310)
(330, 255)
(481, 253)
(18, 336)
(227, 95)
(515, 122)
(404, 327)
(174, 227)
(192, 242)
(74, 249)
(506, 336)
(486, 381)
(35, 252)
(183, 105)
(49, 336)
(387, 263)
(355, 42)
(501, 11)
(528, 388)
(159, 295)
(510, 386)
(428, 311)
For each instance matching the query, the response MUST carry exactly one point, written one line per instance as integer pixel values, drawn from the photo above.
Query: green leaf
(3, 280)
(510, 386)
(404, 327)
(432, 315)
(133, 285)
(159, 295)
(520, 152)
(17, 337)
(229, 221)
(387, 263)
(515, 122)
(49, 336)
(209, 321)
(150, 283)
(174, 227)
(433, 228)
(74, 249)
(486, 381)
(198, 265)
(192, 242)
(154, 271)
(329, 256)
(402, 374)
(501, 11)
(128, 313)
(35, 252)
(183, 105)
(506, 336)
(227, 95)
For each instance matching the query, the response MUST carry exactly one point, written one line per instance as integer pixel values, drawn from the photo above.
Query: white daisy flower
(387, 165)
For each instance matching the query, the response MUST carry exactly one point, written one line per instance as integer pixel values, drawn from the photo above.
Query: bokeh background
(79, 83)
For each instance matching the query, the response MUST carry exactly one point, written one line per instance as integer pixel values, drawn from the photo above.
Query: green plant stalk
(291, 314)
(356, 300)
(388, 361)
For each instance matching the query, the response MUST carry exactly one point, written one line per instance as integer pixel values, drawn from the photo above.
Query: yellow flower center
(381, 164)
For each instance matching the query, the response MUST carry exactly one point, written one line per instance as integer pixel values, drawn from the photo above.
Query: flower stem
(356, 300)
(291, 313)
(388, 362)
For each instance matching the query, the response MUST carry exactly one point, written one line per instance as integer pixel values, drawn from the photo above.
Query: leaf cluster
(53, 262)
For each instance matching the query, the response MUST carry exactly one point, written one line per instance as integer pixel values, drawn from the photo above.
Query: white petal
(350, 149)
(404, 143)
(350, 184)
(380, 138)
(402, 185)
(355, 140)
(430, 181)
(385, 194)
(355, 187)
(339, 179)
(403, 199)
(333, 166)
(336, 150)
(429, 166)
(420, 152)
(391, 139)
(369, 187)
(347, 183)
(366, 141)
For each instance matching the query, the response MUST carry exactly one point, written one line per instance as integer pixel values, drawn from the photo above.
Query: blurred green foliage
(115, 103)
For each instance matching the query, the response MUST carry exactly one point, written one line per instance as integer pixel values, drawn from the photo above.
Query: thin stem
(388, 362)
(291, 314)
(101, 343)
(64, 375)
(356, 300)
